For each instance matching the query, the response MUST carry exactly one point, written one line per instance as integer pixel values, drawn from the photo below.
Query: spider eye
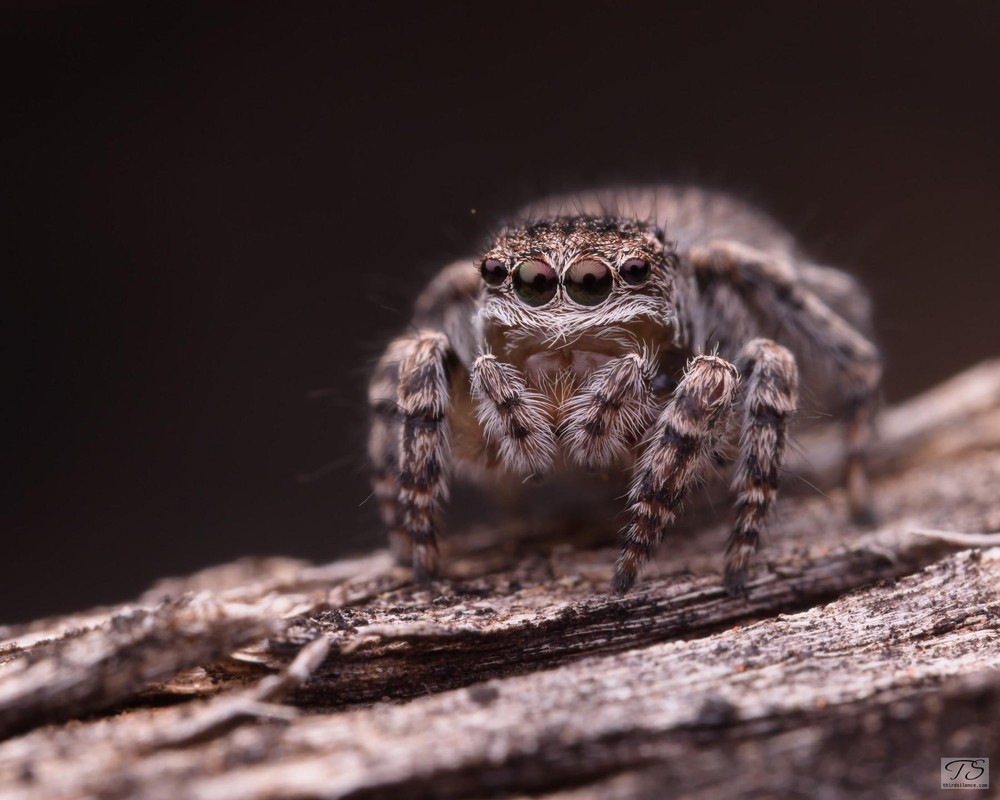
(494, 271)
(535, 282)
(635, 271)
(588, 283)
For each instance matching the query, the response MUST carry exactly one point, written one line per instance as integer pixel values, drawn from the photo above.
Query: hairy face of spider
(570, 293)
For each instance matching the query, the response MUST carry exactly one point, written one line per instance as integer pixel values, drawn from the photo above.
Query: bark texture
(858, 659)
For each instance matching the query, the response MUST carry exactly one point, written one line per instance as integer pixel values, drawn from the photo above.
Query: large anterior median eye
(588, 283)
(535, 282)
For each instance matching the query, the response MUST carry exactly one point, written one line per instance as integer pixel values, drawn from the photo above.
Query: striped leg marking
(408, 444)
(514, 418)
(606, 417)
(769, 399)
(384, 438)
(686, 434)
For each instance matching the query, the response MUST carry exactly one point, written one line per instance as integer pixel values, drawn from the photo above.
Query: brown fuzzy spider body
(621, 331)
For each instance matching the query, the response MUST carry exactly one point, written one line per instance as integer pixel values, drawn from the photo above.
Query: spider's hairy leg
(685, 436)
(606, 417)
(862, 403)
(770, 394)
(770, 287)
(514, 418)
(383, 445)
(408, 444)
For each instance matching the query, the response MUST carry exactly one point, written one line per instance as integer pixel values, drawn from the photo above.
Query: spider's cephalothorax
(565, 297)
(589, 340)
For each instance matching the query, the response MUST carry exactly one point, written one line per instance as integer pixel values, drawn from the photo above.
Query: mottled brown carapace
(628, 332)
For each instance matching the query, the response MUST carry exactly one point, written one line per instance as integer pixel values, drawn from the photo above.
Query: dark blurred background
(218, 213)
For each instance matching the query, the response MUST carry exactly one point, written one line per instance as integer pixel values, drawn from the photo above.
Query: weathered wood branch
(919, 644)
(854, 651)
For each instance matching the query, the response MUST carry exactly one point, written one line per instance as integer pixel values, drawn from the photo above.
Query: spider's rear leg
(859, 415)
(604, 419)
(408, 444)
(685, 437)
(383, 445)
(514, 418)
(771, 288)
(770, 395)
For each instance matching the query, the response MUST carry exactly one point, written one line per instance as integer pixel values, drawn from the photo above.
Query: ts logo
(965, 769)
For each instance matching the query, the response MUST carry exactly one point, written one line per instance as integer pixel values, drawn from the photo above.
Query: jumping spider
(623, 330)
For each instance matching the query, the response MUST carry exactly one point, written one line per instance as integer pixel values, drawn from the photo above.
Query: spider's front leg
(408, 443)
(515, 419)
(770, 394)
(604, 419)
(684, 437)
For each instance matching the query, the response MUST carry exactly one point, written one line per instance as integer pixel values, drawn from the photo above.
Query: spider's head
(577, 284)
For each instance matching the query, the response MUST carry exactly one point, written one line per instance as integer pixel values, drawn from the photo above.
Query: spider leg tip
(424, 564)
(735, 582)
(421, 577)
(865, 516)
(622, 582)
